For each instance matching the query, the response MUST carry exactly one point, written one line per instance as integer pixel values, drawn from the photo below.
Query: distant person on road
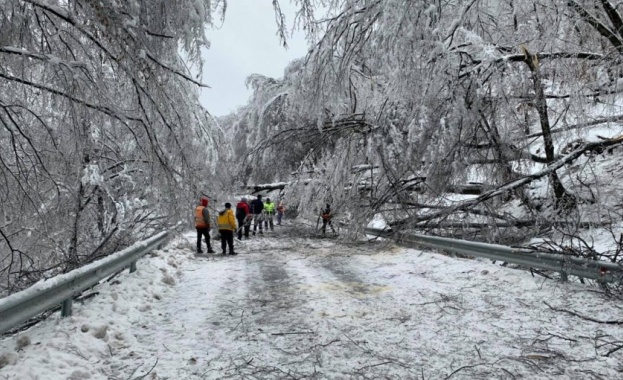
(280, 210)
(226, 227)
(243, 212)
(257, 208)
(202, 224)
(327, 215)
(269, 214)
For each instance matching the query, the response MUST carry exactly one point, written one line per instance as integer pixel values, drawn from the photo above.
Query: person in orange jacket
(226, 227)
(202, 224)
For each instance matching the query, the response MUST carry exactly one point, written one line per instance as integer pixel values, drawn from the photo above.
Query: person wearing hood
(226, 227)
(202, 224)
(243, 216)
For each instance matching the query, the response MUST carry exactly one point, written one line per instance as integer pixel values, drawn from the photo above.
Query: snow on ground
(293, 306)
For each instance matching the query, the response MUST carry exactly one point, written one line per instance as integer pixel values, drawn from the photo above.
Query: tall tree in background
(99, 122)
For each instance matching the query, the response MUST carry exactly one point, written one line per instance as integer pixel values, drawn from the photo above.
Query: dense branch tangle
(450, 95)
(96, 104)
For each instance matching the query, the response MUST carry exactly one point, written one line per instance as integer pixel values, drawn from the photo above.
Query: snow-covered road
(297, 308)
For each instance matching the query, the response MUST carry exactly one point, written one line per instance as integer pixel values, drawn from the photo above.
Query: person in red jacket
(202, 224)
(243, 216)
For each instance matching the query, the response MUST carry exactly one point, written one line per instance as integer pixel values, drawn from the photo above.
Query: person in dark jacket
(257, 208)
(327, 215)
(243, 212)
(202, 224)
(226, 227)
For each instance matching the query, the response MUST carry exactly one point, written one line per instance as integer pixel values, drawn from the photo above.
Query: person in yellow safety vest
(269, 213)
(202, 224)
(226, 227)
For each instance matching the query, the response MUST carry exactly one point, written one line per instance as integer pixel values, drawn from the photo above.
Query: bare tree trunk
(563, 198)
(73, 261)
(101, 211)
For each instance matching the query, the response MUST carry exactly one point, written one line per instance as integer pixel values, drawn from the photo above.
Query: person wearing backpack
(202, 224)
(243, 211)
(226, 227)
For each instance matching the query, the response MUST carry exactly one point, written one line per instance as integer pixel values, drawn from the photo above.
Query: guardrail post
(564, 277)
(602, 272)
(66, 308)
(133, 267)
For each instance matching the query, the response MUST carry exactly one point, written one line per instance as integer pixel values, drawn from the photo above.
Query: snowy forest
(490, 120)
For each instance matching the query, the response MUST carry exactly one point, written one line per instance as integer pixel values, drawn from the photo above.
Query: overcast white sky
(247, 43)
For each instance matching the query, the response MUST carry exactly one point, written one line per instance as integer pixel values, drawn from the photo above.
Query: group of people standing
(258, 212)
(226, 226)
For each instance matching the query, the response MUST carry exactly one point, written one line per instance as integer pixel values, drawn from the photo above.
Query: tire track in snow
(204, 304)
(271, 335)
(307, 308)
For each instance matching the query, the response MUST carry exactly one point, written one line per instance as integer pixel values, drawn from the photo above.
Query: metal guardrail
(44, 295)
(602, 271)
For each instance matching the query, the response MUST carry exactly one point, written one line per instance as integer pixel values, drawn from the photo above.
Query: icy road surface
(305, 308)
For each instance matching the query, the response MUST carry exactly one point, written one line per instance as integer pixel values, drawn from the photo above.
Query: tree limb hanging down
(99, 121)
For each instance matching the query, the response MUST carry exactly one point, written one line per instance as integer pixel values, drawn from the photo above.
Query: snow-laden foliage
(102, 139)
(433, 96)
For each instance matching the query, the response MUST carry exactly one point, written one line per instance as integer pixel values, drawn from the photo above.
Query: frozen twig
(505, 370)
(294, 333)
(462, 368)
(478, 351)
(612, 351)
(610, 322)
(147, 373)
(374, 365)
(239, 323)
